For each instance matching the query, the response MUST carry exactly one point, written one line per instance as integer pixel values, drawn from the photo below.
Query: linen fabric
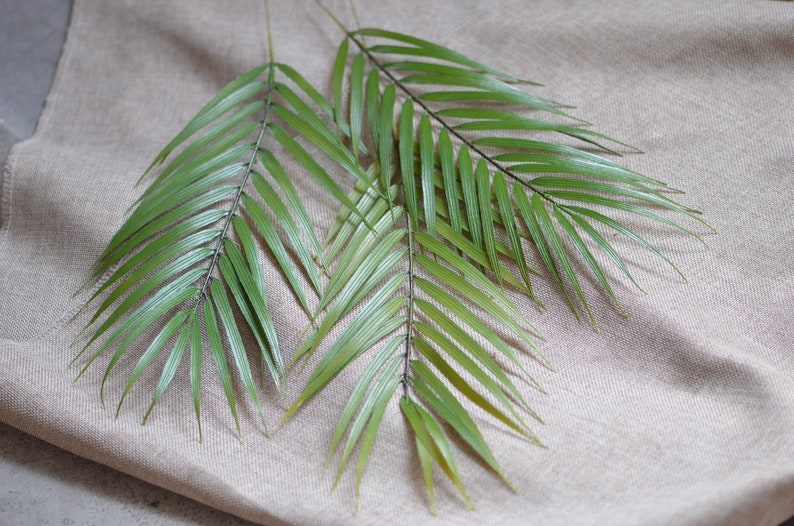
(681, 414)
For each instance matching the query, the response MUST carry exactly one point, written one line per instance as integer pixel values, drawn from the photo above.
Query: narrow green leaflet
(234, 339)
(464, 387)
(385, 136)
(174, 359)
(357, 396)
(283, 181)
(356, 103)
(468, 183)
(171, 328)
(407, 160)
(219, 357)
(426, 155)
(339, 78)
(553, 241)
(449, 172)
(507, 213)
(485, 198)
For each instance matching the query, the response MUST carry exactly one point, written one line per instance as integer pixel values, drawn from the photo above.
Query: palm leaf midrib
(232, 209)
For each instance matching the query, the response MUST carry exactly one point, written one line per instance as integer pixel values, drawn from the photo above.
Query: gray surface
(7, 140)
(42, 484)
(32, 35)
(39, 483)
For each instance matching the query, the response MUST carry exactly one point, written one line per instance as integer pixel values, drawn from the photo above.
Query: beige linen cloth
(681, 414)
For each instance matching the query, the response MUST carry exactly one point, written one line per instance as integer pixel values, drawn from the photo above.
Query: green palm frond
(462, 194)
(561, 195)
(188, 256)
(418, 310)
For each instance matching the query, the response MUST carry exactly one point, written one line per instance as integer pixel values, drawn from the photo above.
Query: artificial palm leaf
(558, 177)
(440, 326)
(187, 260)
(468, 198)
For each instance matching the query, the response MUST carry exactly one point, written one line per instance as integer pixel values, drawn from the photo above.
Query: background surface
(688, 421)
(40, 483)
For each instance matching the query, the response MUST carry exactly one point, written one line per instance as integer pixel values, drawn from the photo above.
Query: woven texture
(681, 414)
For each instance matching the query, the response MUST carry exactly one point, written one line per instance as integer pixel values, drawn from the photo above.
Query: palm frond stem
(239, 193)
(270, 52)
(410, 321)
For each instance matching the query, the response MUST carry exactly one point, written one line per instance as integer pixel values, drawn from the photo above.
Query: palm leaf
(186, 261)
(478, 207)
(563, 173)
(368, 268)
